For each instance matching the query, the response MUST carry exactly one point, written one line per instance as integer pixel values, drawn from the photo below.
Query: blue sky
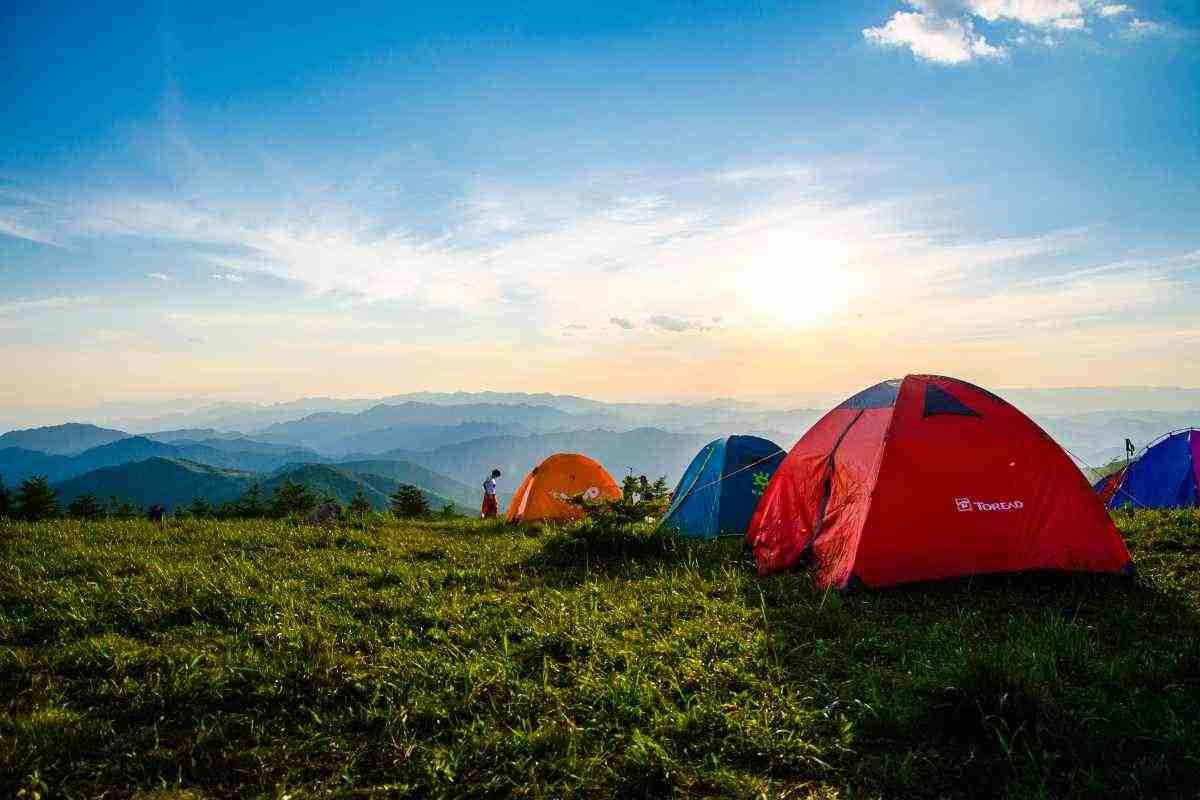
(675, 200)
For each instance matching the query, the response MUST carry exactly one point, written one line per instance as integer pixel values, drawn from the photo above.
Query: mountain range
(446, 443)
(17, 463)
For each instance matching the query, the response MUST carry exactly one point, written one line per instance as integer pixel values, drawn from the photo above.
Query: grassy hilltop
(462, 659)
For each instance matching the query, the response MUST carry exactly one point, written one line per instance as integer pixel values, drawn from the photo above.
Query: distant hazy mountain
(251, 449)
(571, 404)
(1086, 399)
(647, 451)
(1096, 436)
(174, 483)
(244, 417)
(68, 439)
(418, 437)
(213, 415)
(189, 434)
(17, 464)
(329, 429)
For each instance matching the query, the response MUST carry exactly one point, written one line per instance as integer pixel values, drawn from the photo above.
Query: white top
(489, 486)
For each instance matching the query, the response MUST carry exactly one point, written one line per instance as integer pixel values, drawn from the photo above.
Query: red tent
(925, 478)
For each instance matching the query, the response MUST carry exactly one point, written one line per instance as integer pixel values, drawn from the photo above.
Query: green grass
(463, 659)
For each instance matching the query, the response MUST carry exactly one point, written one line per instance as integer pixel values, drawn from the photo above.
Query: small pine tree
(86, 506)
(251, 504)
(123, 509)
(230, 509)
(36, 499)
(6, 508)
(292, 498)
(449, 510)
(359, 506)
(409, 501)
(200, 507)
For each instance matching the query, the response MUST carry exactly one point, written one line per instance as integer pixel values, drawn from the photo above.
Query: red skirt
(490, 506)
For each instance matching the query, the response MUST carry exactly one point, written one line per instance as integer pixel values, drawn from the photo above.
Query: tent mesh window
(881, 395)
(939, 401)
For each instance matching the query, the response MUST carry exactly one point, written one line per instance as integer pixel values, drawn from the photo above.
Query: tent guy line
(728, 475)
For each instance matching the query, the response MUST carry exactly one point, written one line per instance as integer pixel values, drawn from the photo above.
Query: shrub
(36, 499)
(640, 501)
(292, 499)
(200, 507)
(250, 504)
(359, 506)
(122, 509)
(86, 506)
(408, 501)
(604, 537)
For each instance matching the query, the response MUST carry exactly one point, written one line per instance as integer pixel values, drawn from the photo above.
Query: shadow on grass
(573, 554)
(1034, 684)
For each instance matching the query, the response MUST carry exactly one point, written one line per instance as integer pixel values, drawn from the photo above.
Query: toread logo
(966, 504)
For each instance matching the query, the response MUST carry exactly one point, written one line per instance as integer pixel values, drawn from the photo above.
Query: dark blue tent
(1166, 475)
(721, 487)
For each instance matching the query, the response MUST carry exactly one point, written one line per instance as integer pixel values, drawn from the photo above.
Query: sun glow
(797, 279)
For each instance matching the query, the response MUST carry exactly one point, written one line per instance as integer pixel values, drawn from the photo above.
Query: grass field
(461, 659)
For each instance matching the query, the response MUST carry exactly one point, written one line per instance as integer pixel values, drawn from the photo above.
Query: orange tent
(540, 496)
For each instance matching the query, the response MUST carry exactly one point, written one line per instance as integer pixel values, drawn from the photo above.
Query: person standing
(490, 505)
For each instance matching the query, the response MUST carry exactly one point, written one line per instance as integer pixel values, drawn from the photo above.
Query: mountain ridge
(174, 483)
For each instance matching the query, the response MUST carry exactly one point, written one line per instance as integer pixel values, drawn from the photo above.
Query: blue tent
(721, 487)
(1166, 475)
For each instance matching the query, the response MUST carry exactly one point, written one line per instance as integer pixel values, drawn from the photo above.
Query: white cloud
(159, 276)
(1037, 13)
(943, 31)
(934, 38)
(621, 322)
(229, 277)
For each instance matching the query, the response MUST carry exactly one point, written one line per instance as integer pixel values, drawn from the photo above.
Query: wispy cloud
(159, 276)
(1140, 28)
(25, 216)
(539, 264)
(770, 172)
(18, 307)
(666, 323)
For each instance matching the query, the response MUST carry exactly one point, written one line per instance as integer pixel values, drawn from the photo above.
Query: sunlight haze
(681, 201)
